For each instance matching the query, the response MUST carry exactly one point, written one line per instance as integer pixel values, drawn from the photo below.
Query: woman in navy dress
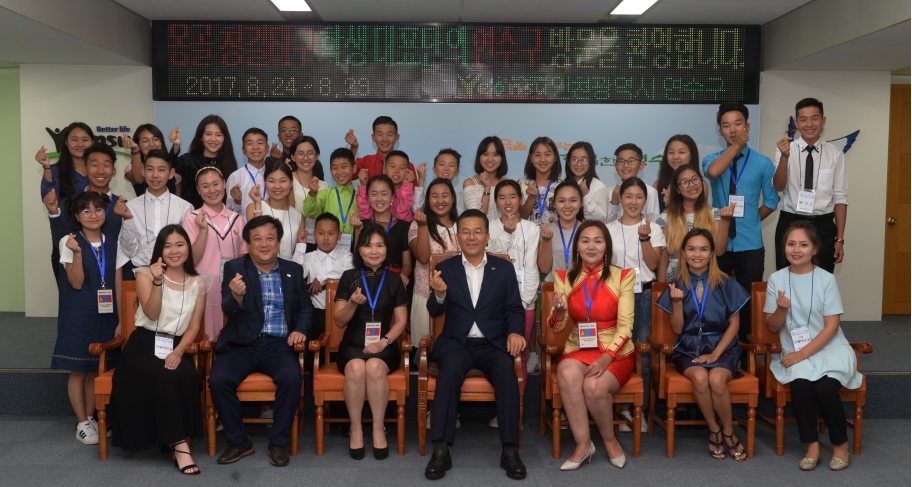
(704, 304)
(87, 310)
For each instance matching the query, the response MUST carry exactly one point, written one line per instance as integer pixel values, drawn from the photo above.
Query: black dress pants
(823, 394)
(497, 366)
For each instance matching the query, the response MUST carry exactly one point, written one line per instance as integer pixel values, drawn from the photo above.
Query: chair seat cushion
(676, 383)
(433, 369)
(103, 383)
(633, 385)
(328, 378)
(472, 385)
(257, 382)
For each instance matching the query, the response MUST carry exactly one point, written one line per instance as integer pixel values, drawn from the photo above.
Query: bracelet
(840, 240)
(486, 194)
(648, 238)
(134, 153)
(257, 212)
(421, 224)
(153, 283)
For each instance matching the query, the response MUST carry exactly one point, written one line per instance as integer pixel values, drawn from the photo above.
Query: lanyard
(223, 237)
(146, 219)
(255, 182)
(741, 172)
(388, 224)
(811, 307)
(344, 215)
(372, 302)
(523, 265)
(588, 297)
(701, 306)
(102, 261)
(639, 261)
(564, 241)
(542, 198)
(452, 239)
(801, 172)
(181, 312)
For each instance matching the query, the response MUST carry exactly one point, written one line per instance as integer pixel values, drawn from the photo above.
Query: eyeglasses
(626, 162)
(146, 140)
(308, 155)
(686, 183)
(468, 233)
(288, 131)
(90, 211)
(579, 161)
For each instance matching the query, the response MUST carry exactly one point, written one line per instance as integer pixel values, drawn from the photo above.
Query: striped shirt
(273, 303)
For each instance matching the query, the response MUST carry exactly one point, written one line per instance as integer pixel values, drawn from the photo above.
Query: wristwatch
(388, 341)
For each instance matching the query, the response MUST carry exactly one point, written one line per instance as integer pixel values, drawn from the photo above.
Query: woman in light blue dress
(816, 360)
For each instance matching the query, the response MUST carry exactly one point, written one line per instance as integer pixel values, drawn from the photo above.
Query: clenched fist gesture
(51, 202)
(238, 288)
(275, 152)
(362, 177)
(422, 171)
(73, 245)
(358, 297)
(420, 218)
(42, 158)
(510, 224)
(313, 187)
(616, 194)
(128, 143)
(438, 285)
(785, 146)
(255, 194)
(122, 210)
(546, 233)
(157, 269)
(350, 138)
(782, 301)
(236, 194)
(644, 230)
(727, 212)
(201, 221)
(175, 136)
(675, 293)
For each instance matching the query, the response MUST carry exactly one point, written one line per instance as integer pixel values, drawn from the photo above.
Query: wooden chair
(781, 393)
(552, 345)
(103, 383)
(328, 380)
(257, 387)
(667, 384)
(475, 388)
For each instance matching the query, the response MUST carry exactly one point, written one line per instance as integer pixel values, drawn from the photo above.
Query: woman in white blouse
(305, 155)
(490, 169)
(519, 238)
(155, 396)
(580, 168)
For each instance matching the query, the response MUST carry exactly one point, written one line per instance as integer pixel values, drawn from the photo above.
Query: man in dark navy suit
(268, 311)
(484, 328)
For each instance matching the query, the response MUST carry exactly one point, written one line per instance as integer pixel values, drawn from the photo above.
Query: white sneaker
(86, 433)
(563, 417)
(95, 426)
(533, 364)
(493, 423)
(629, 417)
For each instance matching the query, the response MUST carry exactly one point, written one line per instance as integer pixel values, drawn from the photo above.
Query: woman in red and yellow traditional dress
(599, 354)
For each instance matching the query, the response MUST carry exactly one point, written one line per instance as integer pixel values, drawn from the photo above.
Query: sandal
(187, 467)
(735, 448)
(718, 452)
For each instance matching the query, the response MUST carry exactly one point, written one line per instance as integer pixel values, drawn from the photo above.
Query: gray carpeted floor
(29, 342)
(38, 451)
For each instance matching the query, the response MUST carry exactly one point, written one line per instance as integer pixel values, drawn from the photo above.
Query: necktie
(733, 189)
(809, 168)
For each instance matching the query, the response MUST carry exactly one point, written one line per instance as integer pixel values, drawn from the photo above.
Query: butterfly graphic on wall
(850, 139)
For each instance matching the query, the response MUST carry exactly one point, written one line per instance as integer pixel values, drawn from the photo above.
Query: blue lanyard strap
(542, 198)
(101, 262)
(701, 306)
(811, 307)
(343, 215)
(590, 298)
(388, 224)
(255, 182)
(564, 241)
(372, 302)
(741, 172)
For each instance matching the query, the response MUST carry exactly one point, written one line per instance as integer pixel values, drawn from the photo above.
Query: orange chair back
(661, 321)
(128, 308)
(550, 336)
(335, 333)
(758, 321)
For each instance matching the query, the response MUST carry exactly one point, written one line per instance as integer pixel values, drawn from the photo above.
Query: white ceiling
(885, 50)
(25, 41)
(533, 11)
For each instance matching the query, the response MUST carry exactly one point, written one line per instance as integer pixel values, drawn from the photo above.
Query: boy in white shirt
(446, 165)
(628, 162)
(144, 216)
(256, 148)
(327, 262)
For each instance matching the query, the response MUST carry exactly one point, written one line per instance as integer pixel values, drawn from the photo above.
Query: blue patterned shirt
(273, 303)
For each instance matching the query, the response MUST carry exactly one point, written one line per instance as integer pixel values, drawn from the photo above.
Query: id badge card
(588, 334)
(738, 200)
(164, 345)
(806, 200)
(222, 270)
(345, 242)
(371, 332)
(800, 337)
(638, 283)
(105, 301)
(310, 225)
(520, 275)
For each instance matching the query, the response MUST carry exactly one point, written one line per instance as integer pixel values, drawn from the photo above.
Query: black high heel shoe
(356, 453)
(381, 453)
(175, 451)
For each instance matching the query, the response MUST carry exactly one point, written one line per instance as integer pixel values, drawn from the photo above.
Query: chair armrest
(642, 348)
(757, 348)
(206, 346)
(423, 359)
(300, 347)
(862, 347)
(405, 346)
(193, 348)
(97, 348)
(321, 341)
(424, 342)
(663, 348)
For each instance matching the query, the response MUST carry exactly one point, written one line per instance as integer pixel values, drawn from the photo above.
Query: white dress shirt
(322, 266)
(595, 204)
(150, 215)
(626, 251)
(522, 247)
(650, 211)
(474, 277)
(247, 177)
(831, 185)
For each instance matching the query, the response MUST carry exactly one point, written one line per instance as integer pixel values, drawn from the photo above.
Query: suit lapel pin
(287, 275)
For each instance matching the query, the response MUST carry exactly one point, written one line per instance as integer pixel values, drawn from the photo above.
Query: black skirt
(348, 352)
(151, 405)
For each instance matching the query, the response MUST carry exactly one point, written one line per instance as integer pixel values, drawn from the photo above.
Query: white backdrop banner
(425, 128)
